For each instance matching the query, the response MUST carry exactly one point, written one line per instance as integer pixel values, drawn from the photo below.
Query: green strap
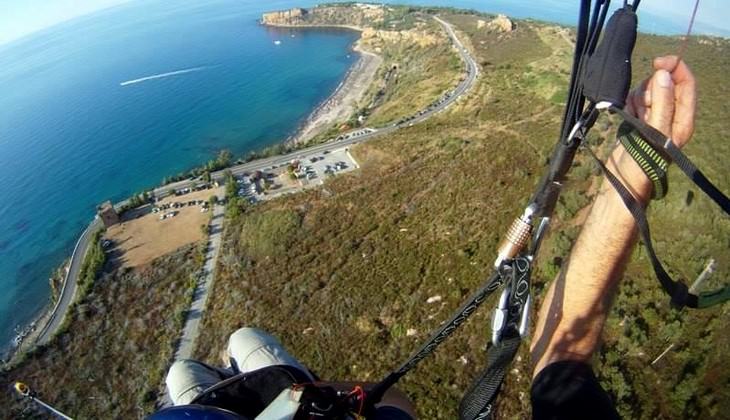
(707, 299)
(651, 162)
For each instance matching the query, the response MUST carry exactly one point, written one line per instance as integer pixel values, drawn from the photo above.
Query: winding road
(68, 290)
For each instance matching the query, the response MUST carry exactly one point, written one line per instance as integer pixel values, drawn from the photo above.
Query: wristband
(653, 164)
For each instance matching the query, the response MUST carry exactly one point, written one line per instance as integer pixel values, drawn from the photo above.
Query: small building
(108, 214)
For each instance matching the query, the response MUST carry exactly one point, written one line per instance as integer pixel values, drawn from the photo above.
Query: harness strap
(666, 147)
(478, 402)
(678, 291)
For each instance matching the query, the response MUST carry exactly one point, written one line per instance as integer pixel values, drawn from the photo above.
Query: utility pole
(662, 355)
(707, 272)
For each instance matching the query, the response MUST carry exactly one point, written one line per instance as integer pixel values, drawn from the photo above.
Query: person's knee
(177, 371)
(247, 339)
(187, 378)
(251, 349)
(251, 334)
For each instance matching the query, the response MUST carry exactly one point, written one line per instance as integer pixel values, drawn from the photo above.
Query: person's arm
(575, 308)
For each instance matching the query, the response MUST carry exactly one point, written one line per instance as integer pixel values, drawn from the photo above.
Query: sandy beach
(343, 102)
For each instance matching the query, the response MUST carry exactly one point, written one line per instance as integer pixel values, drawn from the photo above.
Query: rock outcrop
(501, 24)
(376, 37)
(294, 16)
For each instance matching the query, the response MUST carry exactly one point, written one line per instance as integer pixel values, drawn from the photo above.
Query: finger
(667, 62)
(686, 104)
(677, 67)
(685, 97)
(638, 98)
(645, 101)
(630, 106)
(684, 118)
(661, 113)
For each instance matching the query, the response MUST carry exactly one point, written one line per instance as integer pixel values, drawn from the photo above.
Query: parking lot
(145, 235)
(318, 167)
(309, 171)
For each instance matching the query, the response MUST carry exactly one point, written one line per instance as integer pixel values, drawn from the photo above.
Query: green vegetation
(56, 280)
(350, 271)
(235, 205)
(111, 360)
(138, 200)
(268, 234)
(92, 265)
(213, 200)
(222, 161)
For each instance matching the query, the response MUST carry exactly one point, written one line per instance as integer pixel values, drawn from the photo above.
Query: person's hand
(667, 100)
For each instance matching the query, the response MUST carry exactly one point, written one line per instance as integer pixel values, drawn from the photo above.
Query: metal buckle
(500, 315)
(501, 318)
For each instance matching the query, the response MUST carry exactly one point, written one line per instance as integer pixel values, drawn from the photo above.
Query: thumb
(661, 90)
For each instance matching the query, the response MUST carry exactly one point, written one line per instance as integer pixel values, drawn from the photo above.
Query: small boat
(277, 42)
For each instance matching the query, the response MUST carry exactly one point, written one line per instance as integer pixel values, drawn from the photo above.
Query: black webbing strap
(664, 146)
(493, 283)
(677, 290)
(478, 402)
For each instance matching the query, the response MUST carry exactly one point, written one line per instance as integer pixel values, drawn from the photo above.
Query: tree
(231, 186)
(206, 176)
(213, 200)
(224, 159)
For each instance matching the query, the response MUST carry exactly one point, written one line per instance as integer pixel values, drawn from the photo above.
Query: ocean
(108, 104)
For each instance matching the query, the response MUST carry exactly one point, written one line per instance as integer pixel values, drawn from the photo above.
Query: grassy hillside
(111, 361)
(347, 276)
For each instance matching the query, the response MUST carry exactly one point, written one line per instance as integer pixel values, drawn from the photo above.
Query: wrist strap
(651, 162)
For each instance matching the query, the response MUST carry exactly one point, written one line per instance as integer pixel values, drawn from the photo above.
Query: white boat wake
(162, 75)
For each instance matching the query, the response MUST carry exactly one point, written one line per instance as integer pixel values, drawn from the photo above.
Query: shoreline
(9, 351)
(340, 105)
(337, 107)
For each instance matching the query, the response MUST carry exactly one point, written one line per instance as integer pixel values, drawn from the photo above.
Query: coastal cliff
(293, 16)
(380, 25)
(396, 44)
(358, 16)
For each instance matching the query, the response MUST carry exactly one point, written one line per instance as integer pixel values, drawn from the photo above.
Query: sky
(23, 17)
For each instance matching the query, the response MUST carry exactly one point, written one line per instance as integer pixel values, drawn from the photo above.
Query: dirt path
(200, 295)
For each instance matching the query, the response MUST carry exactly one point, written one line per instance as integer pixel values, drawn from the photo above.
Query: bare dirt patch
(142, 236)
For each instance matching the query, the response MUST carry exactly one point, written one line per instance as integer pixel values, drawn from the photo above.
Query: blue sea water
(72, 136)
